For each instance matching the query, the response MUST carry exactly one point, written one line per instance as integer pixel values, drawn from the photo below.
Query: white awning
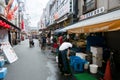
(96, 20)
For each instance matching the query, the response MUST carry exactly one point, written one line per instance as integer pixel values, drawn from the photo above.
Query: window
(89, 5)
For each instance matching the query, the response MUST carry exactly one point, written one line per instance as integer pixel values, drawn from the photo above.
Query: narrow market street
(33, 64)
(60, 40)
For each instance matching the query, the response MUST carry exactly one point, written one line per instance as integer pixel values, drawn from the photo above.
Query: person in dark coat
(43, 44)
(63, 62)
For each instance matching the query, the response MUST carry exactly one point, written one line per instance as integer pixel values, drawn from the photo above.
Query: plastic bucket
(56, 59)
(93, 68)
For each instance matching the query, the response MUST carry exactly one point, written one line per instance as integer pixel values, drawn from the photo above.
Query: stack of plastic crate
(77, 63)
(3, 70)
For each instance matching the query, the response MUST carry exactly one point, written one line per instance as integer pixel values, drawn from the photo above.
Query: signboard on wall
(63, 10)
(9, 52)
(93, 13)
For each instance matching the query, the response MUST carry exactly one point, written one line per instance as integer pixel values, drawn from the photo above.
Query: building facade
(66, 12)
(92, 8)
(58, 13)
(8, 15)
(100, 17)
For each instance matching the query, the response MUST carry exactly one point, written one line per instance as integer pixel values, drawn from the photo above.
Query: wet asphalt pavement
(33, 64)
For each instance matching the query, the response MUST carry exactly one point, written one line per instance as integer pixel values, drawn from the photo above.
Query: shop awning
(11, 24)
(63, 19)
(115, 15)
(57, 31)
(101, 27)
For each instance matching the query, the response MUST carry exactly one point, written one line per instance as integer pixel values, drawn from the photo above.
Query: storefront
(108, 25)
(95, 21)
(105, 30)
(11, 30)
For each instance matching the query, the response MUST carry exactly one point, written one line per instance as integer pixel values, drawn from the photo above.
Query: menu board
(9, 52)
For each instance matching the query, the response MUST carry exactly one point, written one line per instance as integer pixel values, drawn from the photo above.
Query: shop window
(89, 5)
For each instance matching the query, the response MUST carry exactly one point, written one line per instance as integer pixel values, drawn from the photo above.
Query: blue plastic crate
(3, 72)
(78, 67)
(73, 60)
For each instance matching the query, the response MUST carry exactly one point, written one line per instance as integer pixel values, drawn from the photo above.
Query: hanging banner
(9, 52)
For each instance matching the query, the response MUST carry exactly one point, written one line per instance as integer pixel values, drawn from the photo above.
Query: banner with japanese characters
(9, 52)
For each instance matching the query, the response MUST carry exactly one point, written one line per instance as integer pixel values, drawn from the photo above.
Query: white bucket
(93, 68)
(57, 59)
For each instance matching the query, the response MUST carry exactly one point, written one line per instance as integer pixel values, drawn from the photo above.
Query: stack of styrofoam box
(97, 57)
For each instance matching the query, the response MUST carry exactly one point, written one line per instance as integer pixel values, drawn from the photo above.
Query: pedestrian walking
(31, 42)
(43, 42)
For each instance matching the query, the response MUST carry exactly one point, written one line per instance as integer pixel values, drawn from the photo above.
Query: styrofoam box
(81, 55)
(97, 55)
(96, 49)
